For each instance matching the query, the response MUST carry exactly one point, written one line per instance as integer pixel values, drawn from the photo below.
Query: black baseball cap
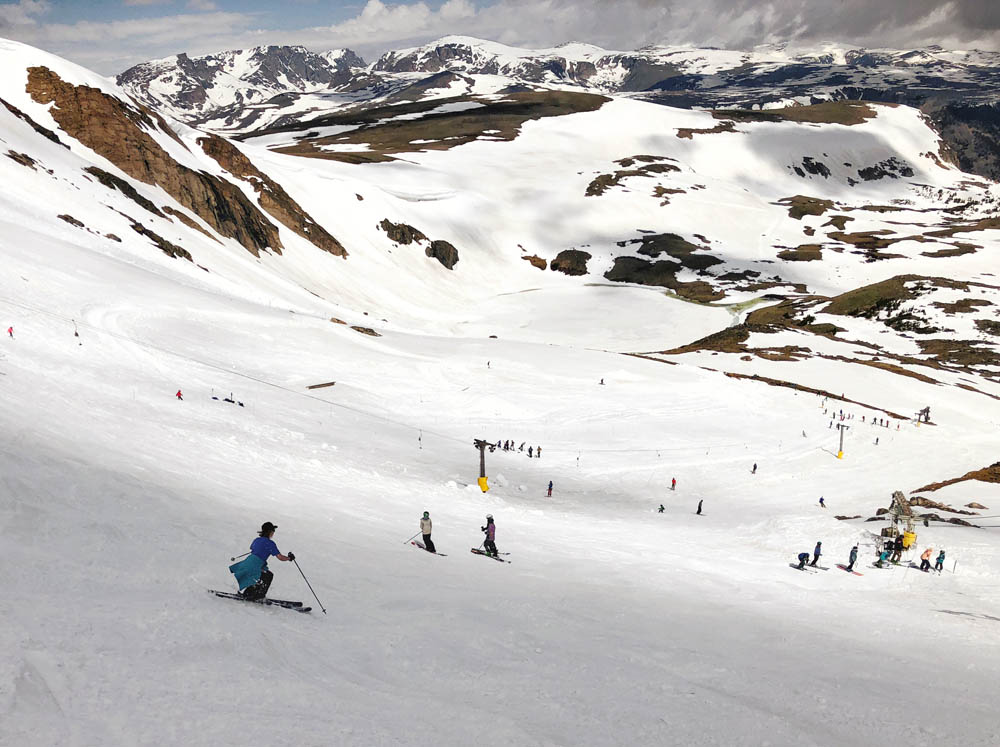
(267, 527)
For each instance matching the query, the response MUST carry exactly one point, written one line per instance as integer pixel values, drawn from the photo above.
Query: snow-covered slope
(613, 624)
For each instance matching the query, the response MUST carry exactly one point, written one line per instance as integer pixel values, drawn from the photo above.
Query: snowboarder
(816, 553)
(754, 470)
(699, 507)
(529, 452)
(939, 563)
(425, 530)
(925, 559)
(854, 558)
(538, 452)
(673, 483)
(662, 509)
(883, 556)
(550, 488)
(251, 573)
(803, 557)
(179, 395)
(489, 543)
(822, 503)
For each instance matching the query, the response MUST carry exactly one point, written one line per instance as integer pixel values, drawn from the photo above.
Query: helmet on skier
(489, 517)
(426, 514)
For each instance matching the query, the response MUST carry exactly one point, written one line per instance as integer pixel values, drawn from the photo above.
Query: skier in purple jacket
(491, 532)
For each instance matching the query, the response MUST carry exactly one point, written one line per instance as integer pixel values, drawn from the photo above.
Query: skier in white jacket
(425, 529)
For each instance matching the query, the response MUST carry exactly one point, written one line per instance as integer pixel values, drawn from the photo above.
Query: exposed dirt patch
(604, 182)
(838, 221)
(962, 306)
(386, 135)
(366, 331)
(800, 205)
(673, 245)
(829, 112)
(811, 390)
(962, 353)
(43, 131)
(663, 193)
(803, 253)
(402, 233)
(957, 251)
(571, 262)
(22, 158)
(71, 220)
(988, 326)
(689, 132)
(536, 261)
(663, 274)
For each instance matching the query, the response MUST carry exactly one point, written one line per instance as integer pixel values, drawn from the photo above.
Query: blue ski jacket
(248, 571)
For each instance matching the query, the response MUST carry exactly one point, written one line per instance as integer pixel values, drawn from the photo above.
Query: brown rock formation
(113, 182)
(571, 262)
(443, 252)
(536, 261)
(273, 198)
(171, 250)
(117, 131)
(401, 233)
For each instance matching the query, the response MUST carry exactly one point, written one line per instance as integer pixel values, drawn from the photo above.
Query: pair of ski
(808, 567)
(432, 552)
(286, 603)
(477, 551)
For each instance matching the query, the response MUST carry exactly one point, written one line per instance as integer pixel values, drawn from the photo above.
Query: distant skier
(489, 544)
(754, 470)
(529, 452)
(10, 331)
(854, 558)
(699, 507)
(803, 557)
(939, 563)
(538, 452)
(602, 382)
(925, 559)
(522, 446)
(822, 503)
(673, 483)
(662, 509)
(251, 573)
(550, 488)
(179, 395)
(876, 440)
(816, 553)
(425, 530)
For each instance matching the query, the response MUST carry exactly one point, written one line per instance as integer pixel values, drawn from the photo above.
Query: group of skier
(891, 552)
(533, 451)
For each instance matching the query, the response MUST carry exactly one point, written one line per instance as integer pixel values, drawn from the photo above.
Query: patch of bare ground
(957, 250)
(22, 158)
(986, 474)
(829, 112)
(838, 221)
(928, 503)
(571, 262)
(890, 367)
(800, 205)
(663, 274)
(536, 261)
(988, 326)
(962, 305)
(961, 353)
(321, 386)
(386, 134)
(663, 193)
(167, 247)
(365, 331)
(803, 253)
(727, 125)
(604, 182)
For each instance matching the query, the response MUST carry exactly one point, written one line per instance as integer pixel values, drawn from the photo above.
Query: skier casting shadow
(491, 532)
(251, 573)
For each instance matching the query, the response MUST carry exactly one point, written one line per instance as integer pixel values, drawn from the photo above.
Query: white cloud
(23, 13)
(134, 3)
(203, 5)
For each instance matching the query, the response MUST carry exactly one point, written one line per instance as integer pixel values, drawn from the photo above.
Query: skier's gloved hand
(291, 556)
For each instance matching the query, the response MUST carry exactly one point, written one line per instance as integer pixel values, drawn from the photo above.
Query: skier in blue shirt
(251, 573)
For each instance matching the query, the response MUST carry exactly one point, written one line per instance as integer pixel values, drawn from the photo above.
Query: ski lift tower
(901, 514)
(842, 428)
(482, 446)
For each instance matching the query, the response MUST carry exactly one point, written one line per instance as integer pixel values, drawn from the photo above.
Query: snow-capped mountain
(191, 88)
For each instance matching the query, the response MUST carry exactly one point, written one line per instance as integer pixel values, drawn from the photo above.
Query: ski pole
(310, 587)
(240, 556)
(411, 538)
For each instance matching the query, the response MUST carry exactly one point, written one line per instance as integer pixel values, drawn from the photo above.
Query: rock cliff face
(118, 132)
(273, 198)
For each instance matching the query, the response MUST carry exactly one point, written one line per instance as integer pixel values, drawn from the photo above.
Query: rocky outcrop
(536, 261)
(71, 220)
(571, 262)
(43, 131)
(443, 252)
(113, 182)
(118, 132)
(171, 250)
(401, 233)
(273, 198)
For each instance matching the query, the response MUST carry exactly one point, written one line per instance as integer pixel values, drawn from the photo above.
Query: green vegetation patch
(800, 205)
(803, 253)
(828, 112)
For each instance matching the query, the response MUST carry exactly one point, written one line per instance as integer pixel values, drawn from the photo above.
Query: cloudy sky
(113, 35)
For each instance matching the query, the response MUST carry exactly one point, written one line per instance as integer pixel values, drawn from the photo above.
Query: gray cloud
(618, 24)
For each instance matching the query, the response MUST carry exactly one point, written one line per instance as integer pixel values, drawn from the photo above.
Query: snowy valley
(379, 264)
